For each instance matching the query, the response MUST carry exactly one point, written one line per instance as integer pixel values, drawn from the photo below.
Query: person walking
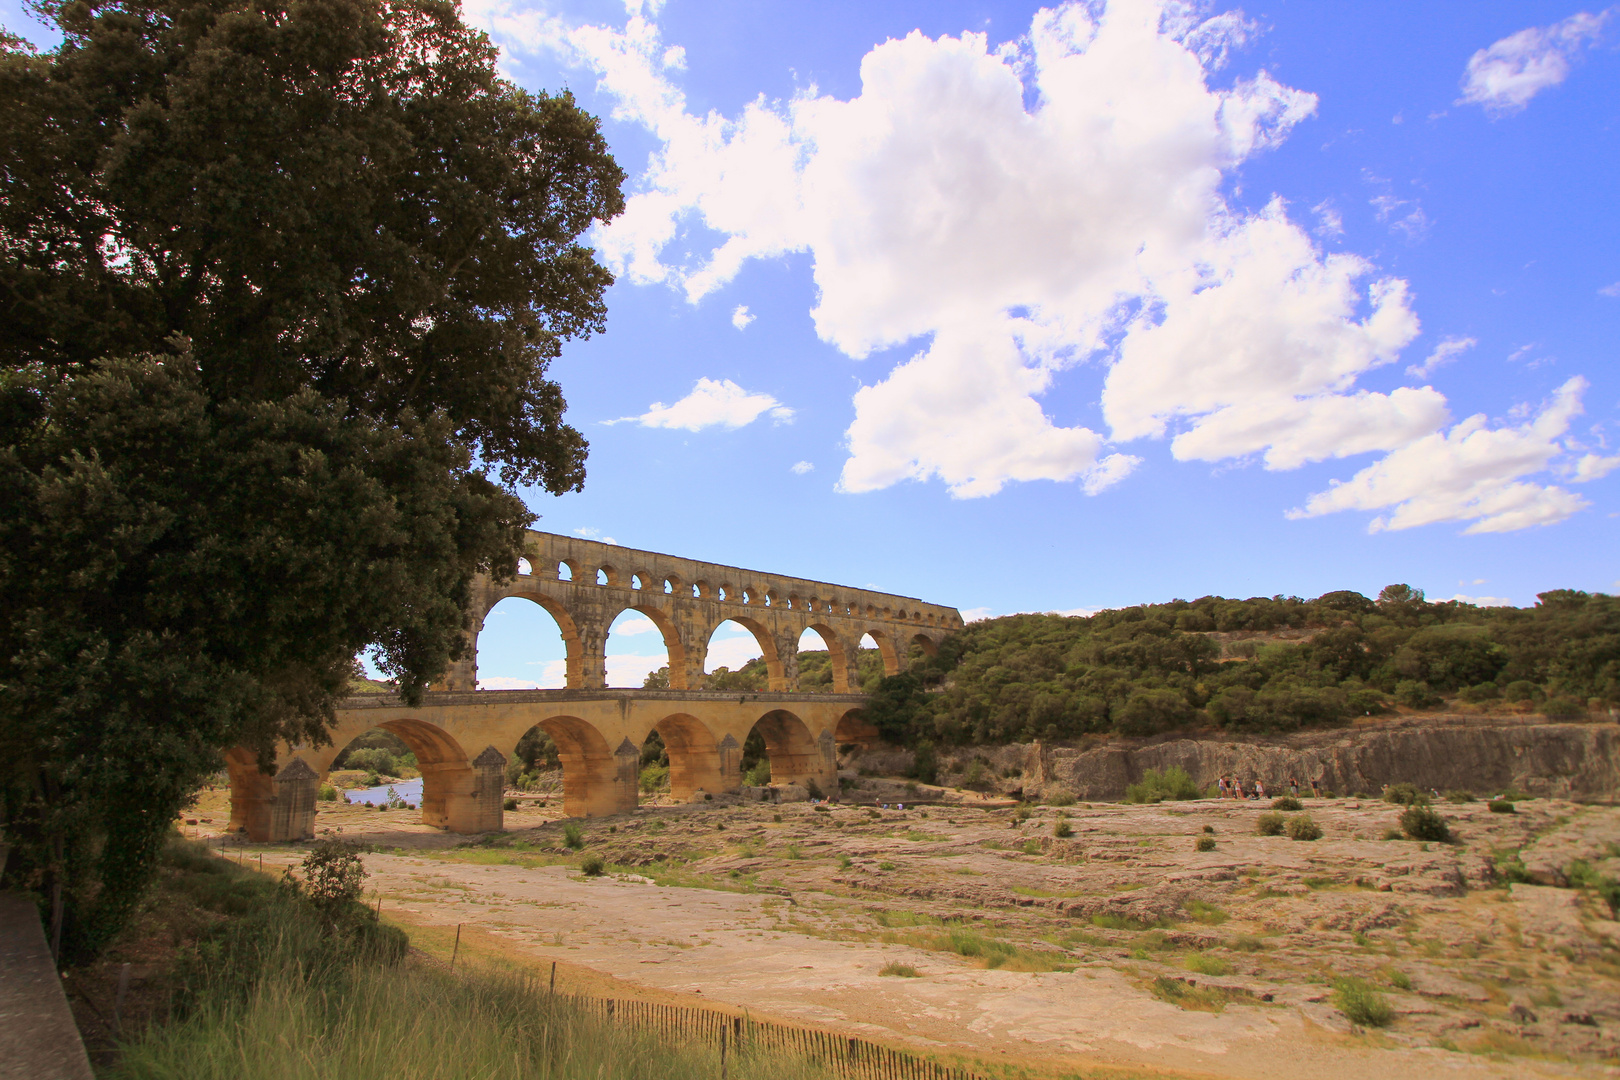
(1293, 786)
(1316, 788)
(1260, 789)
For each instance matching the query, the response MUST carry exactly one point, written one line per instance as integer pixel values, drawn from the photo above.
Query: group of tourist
(1233, 788)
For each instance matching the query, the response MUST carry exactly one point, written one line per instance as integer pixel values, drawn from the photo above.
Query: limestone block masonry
(462, 736)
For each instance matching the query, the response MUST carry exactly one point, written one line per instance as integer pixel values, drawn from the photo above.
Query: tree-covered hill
(1262, 664)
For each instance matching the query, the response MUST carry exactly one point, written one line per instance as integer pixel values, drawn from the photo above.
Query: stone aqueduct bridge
(462, 736)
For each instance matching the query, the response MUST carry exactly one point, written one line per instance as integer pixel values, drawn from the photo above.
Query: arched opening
(535, 764)
(528, 642)
(924, 645)
(591, 781)
(823, 662)
(885, 646)
(680, 756)
(782, 743)
(643, 649)
(742, 656)
(855, 731)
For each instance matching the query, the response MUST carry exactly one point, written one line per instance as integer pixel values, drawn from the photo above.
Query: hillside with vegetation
(1266, 664)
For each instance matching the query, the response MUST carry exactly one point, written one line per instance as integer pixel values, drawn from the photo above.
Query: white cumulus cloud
(799, 468)
(1470, 473)
(1008, 212)
(712, 403)
(740, 318)
(1506, 75)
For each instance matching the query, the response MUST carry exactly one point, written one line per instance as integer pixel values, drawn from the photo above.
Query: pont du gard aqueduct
(462, 736)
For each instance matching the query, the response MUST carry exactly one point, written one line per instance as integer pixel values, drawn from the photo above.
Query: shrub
(1173, 783)
(1062, 830)
(1287, 802)
(573, 836)
(1303, 827)
(1062, 798)
(974, 777)
(1206, 913)
(1501, 806)
(333, 874)
(1361, 1004)
(1416, 695)
(1367, 701)
(1519, 690)
(1205, 843)
(1459, 796)
(1404, 794)
(328, 793)
(759, 775)
(903, 971)
(1608, 890)
(924, 763)
(593, 866)
(1423, 823)
(1209, 829)
(1563, 708)
(654, 778)
(1271, 824)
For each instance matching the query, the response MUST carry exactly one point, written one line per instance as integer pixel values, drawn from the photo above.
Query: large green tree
(280, 283)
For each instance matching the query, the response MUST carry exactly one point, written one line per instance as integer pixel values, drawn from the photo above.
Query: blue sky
(1022, 309)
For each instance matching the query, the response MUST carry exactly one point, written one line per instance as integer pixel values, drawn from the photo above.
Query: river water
(409, 790)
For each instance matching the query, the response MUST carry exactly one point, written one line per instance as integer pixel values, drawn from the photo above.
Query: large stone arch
(573, 639)
(780, 679)
(843, 658)
(798, 755)
(696, 762)
(674, 646)
(892, 660)
(855, 727)
(598, 779)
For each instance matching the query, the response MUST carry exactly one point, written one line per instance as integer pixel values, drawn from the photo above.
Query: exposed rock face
(1574, 761)
(1484, 756)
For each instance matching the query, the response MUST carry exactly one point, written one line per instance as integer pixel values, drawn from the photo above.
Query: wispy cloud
(802, 467)
(595, 534)
(740, 318)
(712, 403)
(1443, 354)
(1504, 77)
(1610, 290)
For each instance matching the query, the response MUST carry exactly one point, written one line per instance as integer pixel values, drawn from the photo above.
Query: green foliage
(1156, 786)
(1270, 824)
(904, 971)
(1608, 890)
(1563, 708)
(328, 793)
(282, 285)
(509, 803)
(1287, 802)
(759, 775)
(1063, 830)
(333, 874)
(1421, 822)
(1405, 794)
(925, 763)
(393, 749)
(654, 778)
(1459, 796)
(573, 836)
(1303, 827)
(1205, 843)
(1361, 1004)
(1148, 669)
(592, 866)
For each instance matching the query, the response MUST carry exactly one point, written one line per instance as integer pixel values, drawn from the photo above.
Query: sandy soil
(1118, 944)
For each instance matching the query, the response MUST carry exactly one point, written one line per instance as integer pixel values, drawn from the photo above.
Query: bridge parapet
(586, 584)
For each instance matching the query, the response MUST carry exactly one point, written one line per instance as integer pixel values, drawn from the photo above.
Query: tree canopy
(281, 283)
(1262, 664)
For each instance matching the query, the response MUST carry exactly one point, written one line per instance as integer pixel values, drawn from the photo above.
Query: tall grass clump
(294, 984)
(1361, 1004)
(1173, 783)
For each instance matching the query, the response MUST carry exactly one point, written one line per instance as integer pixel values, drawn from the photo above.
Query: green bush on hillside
(1156, 786)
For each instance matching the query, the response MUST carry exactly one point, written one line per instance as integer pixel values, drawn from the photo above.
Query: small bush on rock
(1501, 806)
(1303, 827)
(1270, 824)
(1422, 823)
(1062, 830)
(1205, 843)
(573, 836)
(1210, 829)
(1361, 1004)
(593, 866)
(1459, 796)
(1287, 802)
(508, 804)
(1563, 708)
